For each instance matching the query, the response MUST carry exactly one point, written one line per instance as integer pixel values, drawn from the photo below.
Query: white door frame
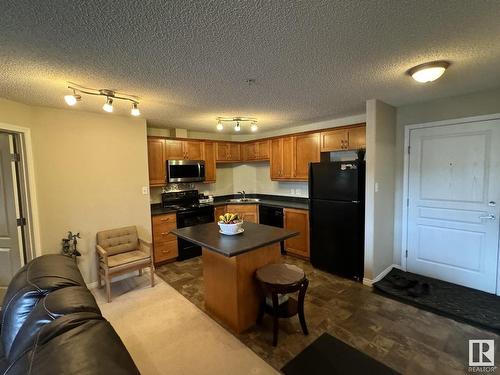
(406, 175)
(30, 172)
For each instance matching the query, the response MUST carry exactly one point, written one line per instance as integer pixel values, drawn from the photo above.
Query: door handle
(489, 217)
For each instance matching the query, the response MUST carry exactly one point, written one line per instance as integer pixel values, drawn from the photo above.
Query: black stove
(189, 212)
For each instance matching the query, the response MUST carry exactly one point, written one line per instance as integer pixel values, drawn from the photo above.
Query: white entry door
(454, 202)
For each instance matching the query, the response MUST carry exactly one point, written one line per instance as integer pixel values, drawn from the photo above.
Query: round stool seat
(280, 274)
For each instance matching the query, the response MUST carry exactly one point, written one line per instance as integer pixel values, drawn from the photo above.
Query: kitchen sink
(243, 200)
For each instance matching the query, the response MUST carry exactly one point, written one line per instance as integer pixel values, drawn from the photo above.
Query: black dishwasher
(269, 215)
(273, 216)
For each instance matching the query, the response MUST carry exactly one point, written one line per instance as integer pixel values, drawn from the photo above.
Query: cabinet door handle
(164, 233)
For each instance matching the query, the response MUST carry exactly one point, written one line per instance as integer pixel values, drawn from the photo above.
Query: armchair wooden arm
(101, 253)
(146, 244)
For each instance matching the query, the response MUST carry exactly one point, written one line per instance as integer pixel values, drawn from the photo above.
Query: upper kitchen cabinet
(210, 170)
(156, 161)
(344, 139)
(290, 156)
(174, 149)
(256, 150)
(180, 149)
(228, 151)
(306, 150)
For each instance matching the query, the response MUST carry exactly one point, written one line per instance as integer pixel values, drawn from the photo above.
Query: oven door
(185, 171)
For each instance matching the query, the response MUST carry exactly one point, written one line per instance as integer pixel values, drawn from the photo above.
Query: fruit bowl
(230, 224)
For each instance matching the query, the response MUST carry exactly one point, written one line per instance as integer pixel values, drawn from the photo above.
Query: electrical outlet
(292, 191)
(298, 191)
(145, 190)
(376, 187)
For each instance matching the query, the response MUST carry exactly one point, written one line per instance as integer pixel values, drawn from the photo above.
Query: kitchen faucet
(243, 194)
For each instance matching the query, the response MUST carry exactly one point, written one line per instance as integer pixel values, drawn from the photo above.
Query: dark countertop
(268, 200)
(254, 237)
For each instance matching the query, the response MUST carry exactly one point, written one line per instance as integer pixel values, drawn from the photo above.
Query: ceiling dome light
(72, 99)
(220, 127)
(254, 127)
(428, 72)
(135, 110)
(108, 106)
(237, 127)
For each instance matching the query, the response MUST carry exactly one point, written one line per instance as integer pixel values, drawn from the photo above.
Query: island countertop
(255, 236)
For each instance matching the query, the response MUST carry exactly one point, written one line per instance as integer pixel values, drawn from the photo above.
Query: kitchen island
(229, 264)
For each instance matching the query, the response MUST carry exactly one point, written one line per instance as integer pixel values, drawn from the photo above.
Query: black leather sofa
(51, 324)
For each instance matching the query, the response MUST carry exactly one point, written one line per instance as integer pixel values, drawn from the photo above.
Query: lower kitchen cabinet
(247, 212)
(164, 242)
(297, 220)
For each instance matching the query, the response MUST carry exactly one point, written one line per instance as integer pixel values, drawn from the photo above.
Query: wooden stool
(282, 279)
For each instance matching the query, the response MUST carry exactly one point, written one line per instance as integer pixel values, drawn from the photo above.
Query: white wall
(474, 104)
(380, 164)
(90, 169)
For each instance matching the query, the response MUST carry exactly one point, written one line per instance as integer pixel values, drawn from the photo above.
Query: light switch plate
(145, 190)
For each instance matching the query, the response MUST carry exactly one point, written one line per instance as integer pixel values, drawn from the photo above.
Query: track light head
(135, 110)
(254, 127)
(72, 99)
(220, 127)
(108, 106)
(237, 127)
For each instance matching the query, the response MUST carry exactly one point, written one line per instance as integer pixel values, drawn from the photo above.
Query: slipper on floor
(401, 282)
(419, 290)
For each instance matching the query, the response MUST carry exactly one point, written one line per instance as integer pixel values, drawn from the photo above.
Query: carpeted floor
(165, 334)
(407, 339)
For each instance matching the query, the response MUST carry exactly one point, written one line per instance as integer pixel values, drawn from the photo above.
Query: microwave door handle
(199, 170)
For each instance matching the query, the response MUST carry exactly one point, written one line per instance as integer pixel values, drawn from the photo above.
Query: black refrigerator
(337, 217)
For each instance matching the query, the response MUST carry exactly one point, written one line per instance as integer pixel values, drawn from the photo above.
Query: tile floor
(410, 340)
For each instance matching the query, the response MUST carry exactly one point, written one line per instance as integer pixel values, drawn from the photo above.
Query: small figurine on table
(69, 245)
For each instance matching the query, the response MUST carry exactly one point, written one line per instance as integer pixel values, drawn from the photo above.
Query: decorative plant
(229, 218)
(69, 245)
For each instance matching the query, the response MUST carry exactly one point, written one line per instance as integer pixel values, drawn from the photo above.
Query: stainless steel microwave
(185, 171)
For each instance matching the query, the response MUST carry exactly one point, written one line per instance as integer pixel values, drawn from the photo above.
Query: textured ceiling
(188, 60)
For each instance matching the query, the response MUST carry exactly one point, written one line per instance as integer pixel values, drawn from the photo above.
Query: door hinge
(15, 158)
(406, 254)
(407, 202)
(21, 222)
(409, 147)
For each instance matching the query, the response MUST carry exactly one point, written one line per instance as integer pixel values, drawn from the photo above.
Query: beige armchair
(120, 251)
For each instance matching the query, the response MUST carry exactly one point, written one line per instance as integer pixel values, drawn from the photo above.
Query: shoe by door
(454, 202)
(11, 256)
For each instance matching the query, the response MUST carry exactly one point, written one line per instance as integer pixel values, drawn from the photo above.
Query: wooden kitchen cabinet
(276, 159)
(306, 150)
(193, 150)
(343, 139)
(282, 158)
(357, 137)
(209, 157)
(183, 150)
(164, 242)
(297, 220)
(174, 150)
(218, 211)
(156, 161)
(228, 151)
(257, 150)
(247, 212)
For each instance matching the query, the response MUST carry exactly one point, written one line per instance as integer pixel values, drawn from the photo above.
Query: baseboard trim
(117, 278)
(380, 276)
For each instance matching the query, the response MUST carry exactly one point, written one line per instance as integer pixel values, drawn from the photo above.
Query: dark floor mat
(327, 355)
(453, 301)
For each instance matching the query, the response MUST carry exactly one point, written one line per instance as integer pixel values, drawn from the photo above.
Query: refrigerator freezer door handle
(356, 201)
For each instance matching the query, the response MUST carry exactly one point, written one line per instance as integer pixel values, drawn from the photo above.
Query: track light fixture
(238, 122)
(110, 95)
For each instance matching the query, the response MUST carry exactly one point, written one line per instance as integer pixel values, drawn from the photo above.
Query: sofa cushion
(79, 343)
(54, 305)
(126, 258)
(35, 280)
(116, 241)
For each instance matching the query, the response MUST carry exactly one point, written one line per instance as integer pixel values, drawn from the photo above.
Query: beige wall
(379, 212)
(90, 169)
(474, 104)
